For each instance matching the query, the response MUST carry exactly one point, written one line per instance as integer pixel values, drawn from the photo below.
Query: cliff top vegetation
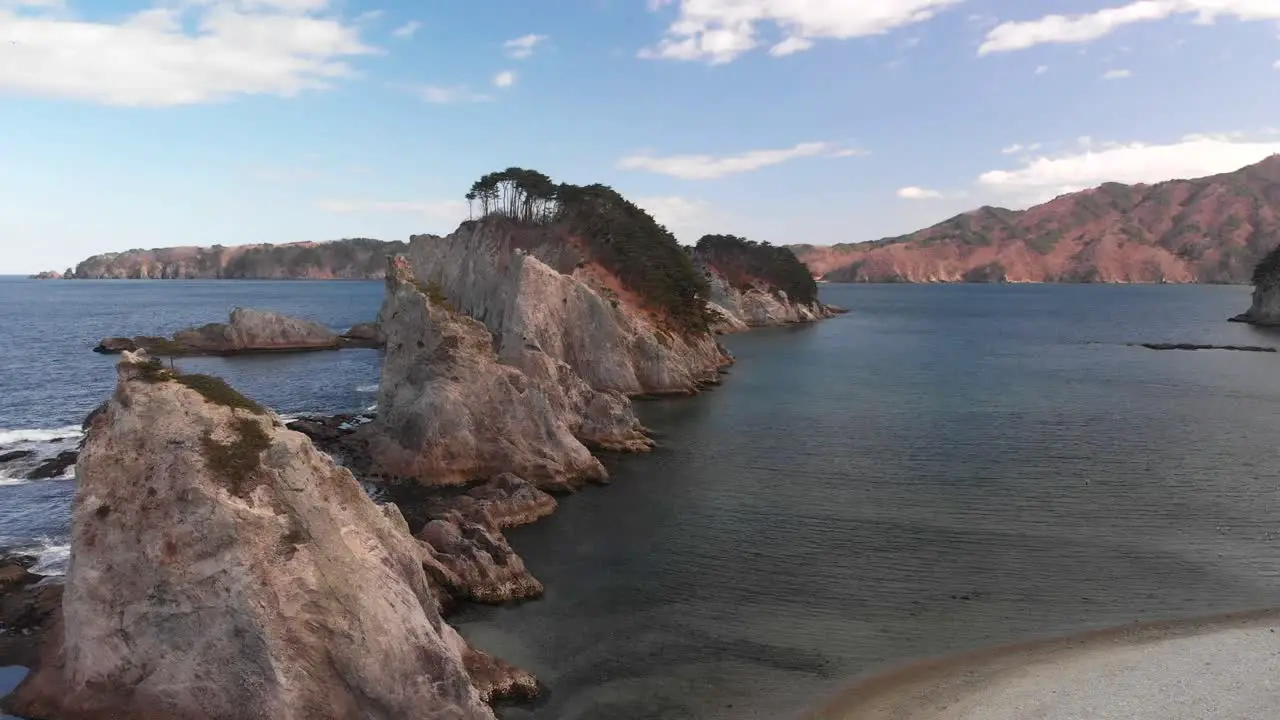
(743, 262)
(619, 235)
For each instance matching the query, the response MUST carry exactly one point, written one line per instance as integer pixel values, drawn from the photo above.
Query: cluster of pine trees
(620, 235)
(642, 253)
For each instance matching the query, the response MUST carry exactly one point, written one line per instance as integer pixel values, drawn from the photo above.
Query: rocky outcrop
(367, 335)
(757, 305)
(248, 331)
(449, 412)
(544, 300)
(46, 275)
(352, 259)
(29, 610)
(222, 567)
(1211, 229)
(1265, 310)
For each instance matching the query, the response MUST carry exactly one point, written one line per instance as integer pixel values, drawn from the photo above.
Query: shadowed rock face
(1211, 229)
(541, 297)
(449, 412)
(222, 567)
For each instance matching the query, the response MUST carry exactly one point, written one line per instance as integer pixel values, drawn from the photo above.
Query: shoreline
(1067, 676)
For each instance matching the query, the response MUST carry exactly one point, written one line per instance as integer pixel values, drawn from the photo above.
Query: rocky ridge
(351, 259)
(1206, 230)
(223, 567)
(543, 298)
(248, 331)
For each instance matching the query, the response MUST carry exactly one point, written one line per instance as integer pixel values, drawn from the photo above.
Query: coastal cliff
(542, 296)
(1265, 309)
(352, 259)
(1206, 230)
(222, 567)
(450, 412)
(754, 284)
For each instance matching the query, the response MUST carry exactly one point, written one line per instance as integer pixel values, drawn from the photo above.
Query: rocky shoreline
(248, 331)
(511, 358)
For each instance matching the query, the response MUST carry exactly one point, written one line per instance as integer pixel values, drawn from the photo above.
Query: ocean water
(943, 468)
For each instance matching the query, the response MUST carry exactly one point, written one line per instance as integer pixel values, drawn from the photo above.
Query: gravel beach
(1221, 668)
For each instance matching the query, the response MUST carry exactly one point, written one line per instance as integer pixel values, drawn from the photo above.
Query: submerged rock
(55, 466)
(247, 331)
(449, 412)
(223, 567)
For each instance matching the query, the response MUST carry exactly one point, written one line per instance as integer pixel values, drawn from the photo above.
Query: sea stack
(1265, 309)
(449, 412)
(222, 567)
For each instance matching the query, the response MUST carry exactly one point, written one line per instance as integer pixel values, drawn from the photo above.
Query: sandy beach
(1221, 668)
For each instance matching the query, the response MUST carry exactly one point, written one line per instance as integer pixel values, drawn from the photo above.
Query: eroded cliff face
(222, 567)
(449, 412)
(757, 306)
(544, 300)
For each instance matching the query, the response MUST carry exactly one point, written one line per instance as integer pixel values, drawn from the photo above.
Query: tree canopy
(744, 262)
(1267, 271)
(619, 235)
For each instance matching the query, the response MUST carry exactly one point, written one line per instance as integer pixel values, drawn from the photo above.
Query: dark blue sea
(942, 468)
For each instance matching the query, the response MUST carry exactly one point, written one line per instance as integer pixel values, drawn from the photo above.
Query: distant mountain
(352, 259)
(1209, 230)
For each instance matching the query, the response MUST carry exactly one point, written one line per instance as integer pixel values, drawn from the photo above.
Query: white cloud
(1192, 156)
(504, 79)
(407, 30)
(447, 94)
(1042, 69)
(708, 167)
(686, 218)
(918, 193)
(434, 209)
(1117, 74)
(718, 31)
(1087, 27)
(523, 47)
(1016, 148)
(177, 54)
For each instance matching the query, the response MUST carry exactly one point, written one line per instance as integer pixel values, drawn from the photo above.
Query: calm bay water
(944, 467)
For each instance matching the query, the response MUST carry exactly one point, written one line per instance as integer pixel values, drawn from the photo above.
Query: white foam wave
(52, 560)
(372, 408)
(39, 435)
(367, 388)
(6, 481)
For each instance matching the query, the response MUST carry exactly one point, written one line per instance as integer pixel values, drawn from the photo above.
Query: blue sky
(130, 124)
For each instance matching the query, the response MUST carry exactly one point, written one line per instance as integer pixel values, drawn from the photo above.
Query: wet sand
(1225, 667)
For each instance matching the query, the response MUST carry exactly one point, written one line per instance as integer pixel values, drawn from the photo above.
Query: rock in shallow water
(222, 567)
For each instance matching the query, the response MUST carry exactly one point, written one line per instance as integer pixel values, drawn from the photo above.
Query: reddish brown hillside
(1211, 230)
